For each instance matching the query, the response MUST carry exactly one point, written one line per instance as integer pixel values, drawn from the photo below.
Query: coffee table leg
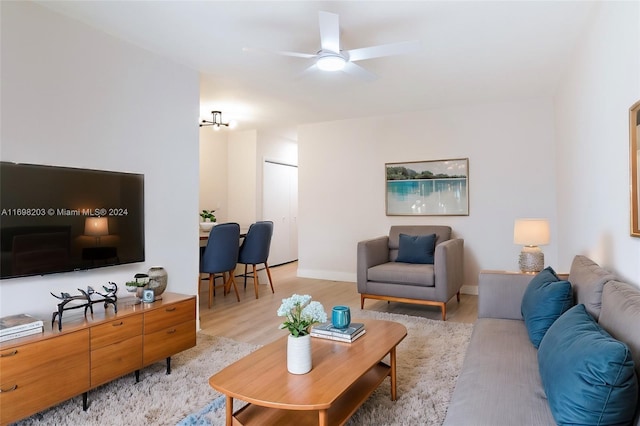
(393, 373)
(323, 418)
(229, 410)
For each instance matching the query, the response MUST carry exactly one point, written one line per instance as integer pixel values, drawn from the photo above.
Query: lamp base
(531, 260)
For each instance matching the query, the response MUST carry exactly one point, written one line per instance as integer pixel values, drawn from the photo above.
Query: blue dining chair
(255, 250)
(221, 256)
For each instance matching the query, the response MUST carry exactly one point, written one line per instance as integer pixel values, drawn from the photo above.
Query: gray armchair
(381, 277)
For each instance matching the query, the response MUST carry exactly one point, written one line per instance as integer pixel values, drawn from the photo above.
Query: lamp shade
(96, 226)
(531, 232)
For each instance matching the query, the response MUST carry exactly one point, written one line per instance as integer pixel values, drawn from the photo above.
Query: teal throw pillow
(588, 375)
(544, 300)
(416, 248)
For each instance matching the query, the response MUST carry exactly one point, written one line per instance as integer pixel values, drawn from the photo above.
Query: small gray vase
(157, 280)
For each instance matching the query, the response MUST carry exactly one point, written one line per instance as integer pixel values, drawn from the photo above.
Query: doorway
(280, 205)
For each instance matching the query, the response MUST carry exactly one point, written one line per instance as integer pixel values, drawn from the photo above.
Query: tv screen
(60, 219)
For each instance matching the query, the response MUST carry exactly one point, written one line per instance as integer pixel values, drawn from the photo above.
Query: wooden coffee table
(342, 378)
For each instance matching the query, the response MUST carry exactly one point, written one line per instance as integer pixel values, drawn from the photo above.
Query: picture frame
(634, 158)
(427, 188)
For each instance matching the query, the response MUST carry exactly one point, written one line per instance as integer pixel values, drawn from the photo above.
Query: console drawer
(169, 341)
(43, 374)
(116, 331)
(115, 360)
(166, 316)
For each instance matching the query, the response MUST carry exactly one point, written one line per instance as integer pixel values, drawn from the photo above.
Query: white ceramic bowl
(206, 226)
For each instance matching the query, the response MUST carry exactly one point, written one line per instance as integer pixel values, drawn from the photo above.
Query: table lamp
(96, 227)
(531, 233)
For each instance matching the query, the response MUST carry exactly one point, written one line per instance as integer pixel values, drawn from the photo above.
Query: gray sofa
(500, 382)
(381, 277)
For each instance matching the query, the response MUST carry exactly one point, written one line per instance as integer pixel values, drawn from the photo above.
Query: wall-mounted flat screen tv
(60, 219)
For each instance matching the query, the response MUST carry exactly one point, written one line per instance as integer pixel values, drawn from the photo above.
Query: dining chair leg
(269, 276)
(211, 286)
(245, 276)
(256, 282)
(231, 281)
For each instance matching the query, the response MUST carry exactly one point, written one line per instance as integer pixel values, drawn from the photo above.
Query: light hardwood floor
(255, 321)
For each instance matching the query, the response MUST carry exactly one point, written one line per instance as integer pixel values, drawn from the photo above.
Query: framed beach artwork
(428, 188)
(634, 159)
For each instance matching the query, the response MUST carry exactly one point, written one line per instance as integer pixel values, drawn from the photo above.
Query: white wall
(248, 149)
(73, 96)
(342, 181)
(592, 132)
(242, 180)
(213, 172)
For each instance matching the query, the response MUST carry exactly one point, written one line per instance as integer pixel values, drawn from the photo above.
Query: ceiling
(471, 52)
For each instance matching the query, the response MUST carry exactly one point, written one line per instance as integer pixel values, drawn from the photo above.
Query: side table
(496, 286)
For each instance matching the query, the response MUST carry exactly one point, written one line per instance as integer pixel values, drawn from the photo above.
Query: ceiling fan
(331, 58)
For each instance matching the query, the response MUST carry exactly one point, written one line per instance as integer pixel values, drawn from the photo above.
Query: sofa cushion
(588, 375)
(588, 279)
(443, 233)
(416, 248)
(403, 273)
(499, 383)
(620, 317)
(544, 300)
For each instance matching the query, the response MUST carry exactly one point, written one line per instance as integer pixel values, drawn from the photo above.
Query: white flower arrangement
(301, 314)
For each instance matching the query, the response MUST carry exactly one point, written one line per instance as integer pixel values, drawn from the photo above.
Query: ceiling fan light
(331, 62)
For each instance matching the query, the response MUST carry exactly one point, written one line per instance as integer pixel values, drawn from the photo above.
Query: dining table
(204, 235)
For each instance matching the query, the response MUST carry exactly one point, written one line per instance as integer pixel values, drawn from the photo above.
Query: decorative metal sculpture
(109, 297)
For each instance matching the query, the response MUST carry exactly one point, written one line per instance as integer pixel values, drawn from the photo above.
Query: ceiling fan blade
(358, 71)
(384, 50)
(308, 71)
(279, 52)
(329, 31)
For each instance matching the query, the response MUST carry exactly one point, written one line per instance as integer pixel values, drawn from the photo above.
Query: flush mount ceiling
(331, 58)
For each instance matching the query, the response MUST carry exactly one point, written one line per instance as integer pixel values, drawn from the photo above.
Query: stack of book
(21, 325)
(328, 331)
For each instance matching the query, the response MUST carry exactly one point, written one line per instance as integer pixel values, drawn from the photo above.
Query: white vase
(299, 354)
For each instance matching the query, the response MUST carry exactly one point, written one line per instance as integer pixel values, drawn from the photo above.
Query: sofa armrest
(500, 294)
(448, 268)
(370, 253)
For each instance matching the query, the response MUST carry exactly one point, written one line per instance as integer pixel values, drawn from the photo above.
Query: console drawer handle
(117, 324)
(171, 309)
(173, 330)
(9, 390)
(15, 351)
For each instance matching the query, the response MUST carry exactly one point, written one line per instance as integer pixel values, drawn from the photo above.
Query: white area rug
(429, 360)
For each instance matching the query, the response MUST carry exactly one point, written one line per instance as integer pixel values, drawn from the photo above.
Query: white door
(280, 205)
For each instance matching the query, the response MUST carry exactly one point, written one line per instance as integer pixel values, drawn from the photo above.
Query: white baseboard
(327, 275)
(469, 289)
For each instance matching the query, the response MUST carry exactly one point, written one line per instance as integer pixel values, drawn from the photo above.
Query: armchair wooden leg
(444, 311)
(361, 301)
(255, 280)
(269, 276)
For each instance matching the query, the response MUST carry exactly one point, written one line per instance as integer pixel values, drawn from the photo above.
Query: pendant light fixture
(217, 122)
